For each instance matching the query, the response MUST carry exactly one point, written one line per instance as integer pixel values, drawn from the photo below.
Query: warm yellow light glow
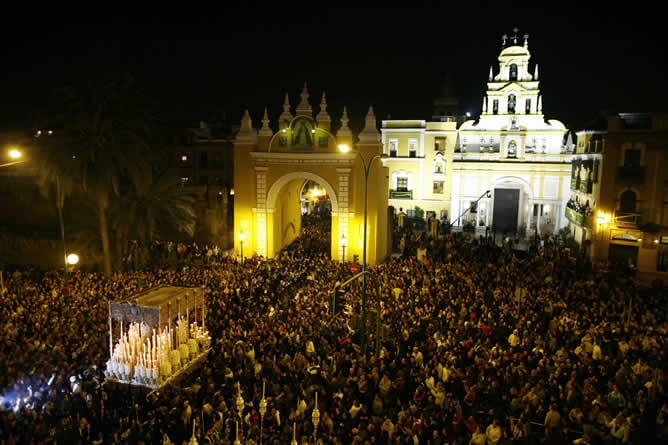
(15, 153)
(602, 218)
(231, 192)
(242, 235)
(72, 259)
(344, 148)
(316, 193)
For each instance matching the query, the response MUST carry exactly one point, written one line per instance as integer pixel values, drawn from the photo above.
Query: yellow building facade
(620, 174)
(272, 168)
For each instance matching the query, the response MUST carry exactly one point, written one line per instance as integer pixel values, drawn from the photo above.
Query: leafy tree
(154, 211)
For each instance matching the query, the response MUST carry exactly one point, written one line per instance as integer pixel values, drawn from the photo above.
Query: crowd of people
(469, 343)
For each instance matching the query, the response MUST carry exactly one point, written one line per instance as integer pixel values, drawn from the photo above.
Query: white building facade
(509, 170)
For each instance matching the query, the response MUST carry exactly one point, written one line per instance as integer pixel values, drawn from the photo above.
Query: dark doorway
(506, 207)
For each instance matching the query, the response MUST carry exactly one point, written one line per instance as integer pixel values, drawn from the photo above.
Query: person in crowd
(430, 372)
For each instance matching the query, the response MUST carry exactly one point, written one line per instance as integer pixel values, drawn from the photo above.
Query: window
(439, 144)
(512, 149)
(511, 103)
(402, 183)
(204, 160)
(627, 202)
(393, 148)
(323, 142)
(183, 157)
(185, 180)
(412, 148)
(438, 187)
(527, 106)
(632, 158)
(495, 106)
(513, 71)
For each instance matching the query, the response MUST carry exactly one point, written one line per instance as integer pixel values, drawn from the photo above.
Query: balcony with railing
(582, 217)
(401, 194)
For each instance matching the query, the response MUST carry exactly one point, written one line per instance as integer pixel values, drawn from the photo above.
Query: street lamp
(343, 248)
(242, 235)
(71, 260)
(15, 155)
(315, 418)
(263, 410)
(367, 168)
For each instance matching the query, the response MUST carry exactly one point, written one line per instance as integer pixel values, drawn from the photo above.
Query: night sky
(206, 64)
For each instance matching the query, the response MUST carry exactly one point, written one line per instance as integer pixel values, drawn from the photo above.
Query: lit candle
(263, 389)
(294, 431)
(237, 422)
(316, 400)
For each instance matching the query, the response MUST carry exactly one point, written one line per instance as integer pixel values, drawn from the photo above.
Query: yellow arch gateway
(272, 167)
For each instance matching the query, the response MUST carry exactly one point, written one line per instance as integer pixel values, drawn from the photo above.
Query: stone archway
(271, 167)
(285, 215)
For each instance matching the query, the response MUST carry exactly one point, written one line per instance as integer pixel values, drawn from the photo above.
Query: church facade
(507, 171)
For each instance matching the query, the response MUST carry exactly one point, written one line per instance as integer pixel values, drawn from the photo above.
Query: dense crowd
(472, 343)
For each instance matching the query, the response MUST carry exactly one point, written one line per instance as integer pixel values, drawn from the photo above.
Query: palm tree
(154, 212)
(101, 138)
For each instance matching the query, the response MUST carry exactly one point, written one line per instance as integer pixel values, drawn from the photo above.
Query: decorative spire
(540, 103)
(491, 73)
(484, 104)
(370, 133)
(526, 41)
(323, 115)
(535, 72)
(304, 108)
(503, 40)
(286, 116)
(344, 131)
(246, 132)
(265, 130)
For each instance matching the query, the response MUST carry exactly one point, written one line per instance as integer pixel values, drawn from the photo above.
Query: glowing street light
(15, 156)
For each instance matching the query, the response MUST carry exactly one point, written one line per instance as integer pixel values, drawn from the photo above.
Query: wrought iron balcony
(401, 194)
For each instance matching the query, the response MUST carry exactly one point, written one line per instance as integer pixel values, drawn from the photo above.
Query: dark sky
(204, 63)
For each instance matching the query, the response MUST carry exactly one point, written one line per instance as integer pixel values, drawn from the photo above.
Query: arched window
(513, 71)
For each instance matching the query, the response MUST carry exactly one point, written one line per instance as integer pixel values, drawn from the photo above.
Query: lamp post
(315, 417)
(367, 168)
(263, 411)
(242, 235)
(70, 260)
(343, 248)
